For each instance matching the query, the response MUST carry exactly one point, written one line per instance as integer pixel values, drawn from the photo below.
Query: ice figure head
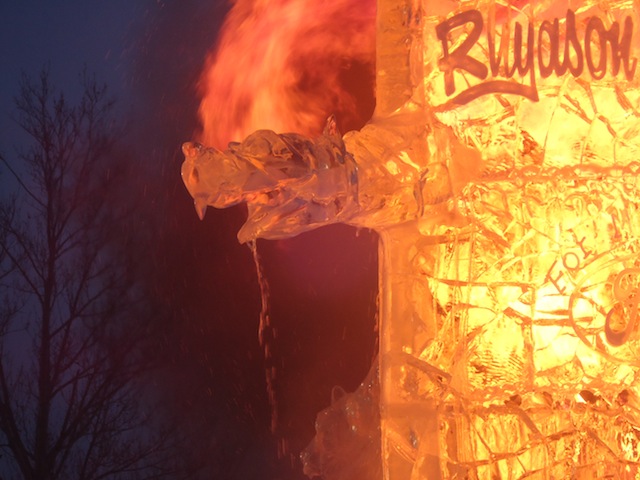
(290, 183)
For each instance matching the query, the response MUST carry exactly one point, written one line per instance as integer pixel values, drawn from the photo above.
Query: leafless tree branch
(72, 406)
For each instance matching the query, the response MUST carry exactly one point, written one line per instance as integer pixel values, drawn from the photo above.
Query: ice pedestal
(500, 170)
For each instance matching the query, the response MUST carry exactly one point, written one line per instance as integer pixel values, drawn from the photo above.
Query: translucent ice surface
(347, 441)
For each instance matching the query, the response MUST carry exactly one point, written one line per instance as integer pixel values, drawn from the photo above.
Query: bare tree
(71, 326)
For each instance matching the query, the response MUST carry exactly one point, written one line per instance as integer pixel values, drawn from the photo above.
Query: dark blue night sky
(65, 36)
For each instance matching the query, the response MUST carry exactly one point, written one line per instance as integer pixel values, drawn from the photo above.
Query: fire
(287, 65)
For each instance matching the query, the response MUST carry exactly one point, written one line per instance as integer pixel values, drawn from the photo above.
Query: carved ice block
(509, 346)
(509, 329)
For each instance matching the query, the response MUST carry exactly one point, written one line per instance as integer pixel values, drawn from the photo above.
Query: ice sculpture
(347, 442)
(501, 171)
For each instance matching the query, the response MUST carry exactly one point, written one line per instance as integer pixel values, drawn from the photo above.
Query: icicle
(266, 335)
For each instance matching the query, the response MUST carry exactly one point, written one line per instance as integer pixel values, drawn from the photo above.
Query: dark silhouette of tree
(73, 400)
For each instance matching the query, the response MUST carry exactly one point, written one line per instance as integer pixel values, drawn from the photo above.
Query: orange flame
(286, 65)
